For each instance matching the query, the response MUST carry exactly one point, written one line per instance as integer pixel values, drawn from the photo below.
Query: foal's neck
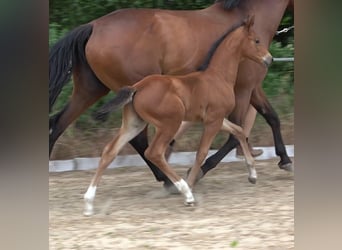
(225, 61)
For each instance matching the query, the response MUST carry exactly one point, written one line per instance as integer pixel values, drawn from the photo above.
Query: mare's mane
(229, 4)
(215, 45)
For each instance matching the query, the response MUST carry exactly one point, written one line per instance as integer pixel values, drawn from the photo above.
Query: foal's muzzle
(268, 59)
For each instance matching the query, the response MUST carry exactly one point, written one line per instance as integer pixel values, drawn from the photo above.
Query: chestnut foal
(165, 101)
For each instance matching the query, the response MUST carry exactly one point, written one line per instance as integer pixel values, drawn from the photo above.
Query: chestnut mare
(165, 101)
(124, 46)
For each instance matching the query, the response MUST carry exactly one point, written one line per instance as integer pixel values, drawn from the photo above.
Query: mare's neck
(268, 15)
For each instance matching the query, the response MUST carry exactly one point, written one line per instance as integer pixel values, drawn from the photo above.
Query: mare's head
(251, 47)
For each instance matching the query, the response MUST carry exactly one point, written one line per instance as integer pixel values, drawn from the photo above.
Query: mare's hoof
(252, 180)
(170, 188)
(287, 166)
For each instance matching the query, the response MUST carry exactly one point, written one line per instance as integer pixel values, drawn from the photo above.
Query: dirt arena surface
(132, 211)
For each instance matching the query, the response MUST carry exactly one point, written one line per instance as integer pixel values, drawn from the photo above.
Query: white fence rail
(284, 59)
(177, 158)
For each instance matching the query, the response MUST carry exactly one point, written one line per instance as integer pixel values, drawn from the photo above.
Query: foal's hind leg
(237, 131)
(131, 126)
(87, 90)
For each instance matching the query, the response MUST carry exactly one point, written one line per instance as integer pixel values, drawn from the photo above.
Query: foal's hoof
(287, 166)
(252, 180)
(88, 211)
(88, 207)
(190, 202)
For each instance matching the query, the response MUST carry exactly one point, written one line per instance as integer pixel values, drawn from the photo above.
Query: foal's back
(198, 96)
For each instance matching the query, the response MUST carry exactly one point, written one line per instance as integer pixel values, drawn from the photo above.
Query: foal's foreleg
(212, 161)
(209, 133)
(236, 116)
(237, 131)
(140, 144)
(156, 154)
(182, 129)
(131, 126)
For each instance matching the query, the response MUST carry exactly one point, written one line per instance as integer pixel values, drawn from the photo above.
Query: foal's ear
(250, 21)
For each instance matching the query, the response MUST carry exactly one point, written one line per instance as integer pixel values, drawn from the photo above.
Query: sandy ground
(133, 212)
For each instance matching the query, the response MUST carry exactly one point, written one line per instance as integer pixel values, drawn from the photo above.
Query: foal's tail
(63, 56)
(123, 96)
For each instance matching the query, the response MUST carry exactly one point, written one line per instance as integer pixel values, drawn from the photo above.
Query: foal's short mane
(229, 4)
(215, 45)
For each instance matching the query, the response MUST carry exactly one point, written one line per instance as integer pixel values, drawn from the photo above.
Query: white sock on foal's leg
(184, 188)
(252, 178)
(88, 200)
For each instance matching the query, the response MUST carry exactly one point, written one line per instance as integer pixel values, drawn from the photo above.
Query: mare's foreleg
(262, 105)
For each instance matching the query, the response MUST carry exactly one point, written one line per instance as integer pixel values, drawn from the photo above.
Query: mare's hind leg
(262, 105)
(156, 154)
(87, 90)
(131, 126)
(237, 131)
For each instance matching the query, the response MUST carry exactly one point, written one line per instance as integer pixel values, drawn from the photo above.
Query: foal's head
(251, 47)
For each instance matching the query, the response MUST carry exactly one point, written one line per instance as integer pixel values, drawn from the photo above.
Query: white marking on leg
(184, 188)
(252, 174)
(50, 131)
(88, 200)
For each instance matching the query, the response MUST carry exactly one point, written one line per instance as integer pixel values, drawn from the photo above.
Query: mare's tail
(66, 53)
(123, 96)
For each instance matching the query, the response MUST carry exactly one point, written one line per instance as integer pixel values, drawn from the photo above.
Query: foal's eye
(257, 41)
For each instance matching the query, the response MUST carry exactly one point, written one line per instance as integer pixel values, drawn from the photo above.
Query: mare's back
(130, 44)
